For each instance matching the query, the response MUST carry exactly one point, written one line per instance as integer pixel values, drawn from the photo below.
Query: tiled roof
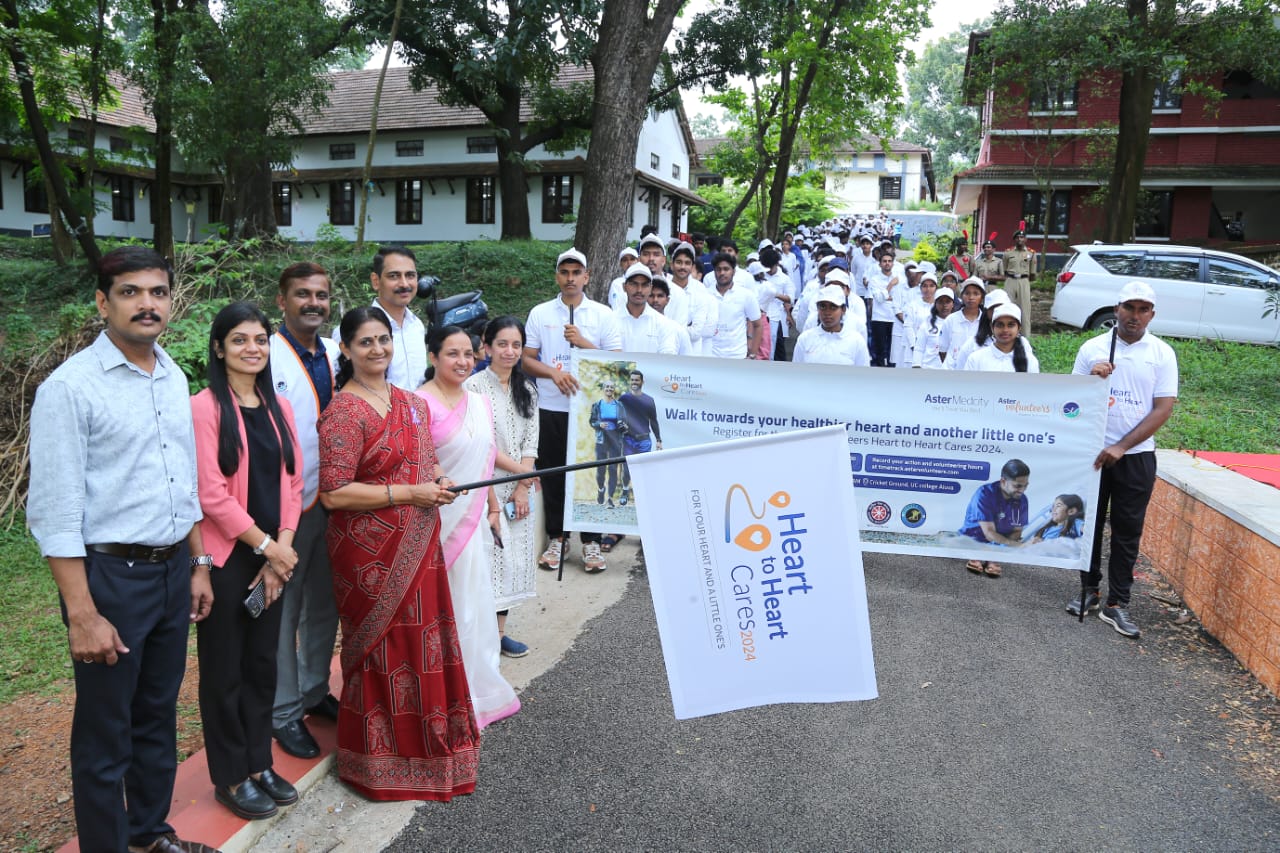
(1086, 175)
(401, 108)
(131, 110)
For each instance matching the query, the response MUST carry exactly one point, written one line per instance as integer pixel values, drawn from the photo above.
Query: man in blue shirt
(113, 505)
(998, 511)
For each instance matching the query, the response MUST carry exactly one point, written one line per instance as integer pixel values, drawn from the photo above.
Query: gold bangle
(391, 501)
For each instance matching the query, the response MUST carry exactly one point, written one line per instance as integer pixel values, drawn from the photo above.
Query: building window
(890, 189)
(1154, 214)
(342, 151)
(655, 206)
(675, 171)
(282, 203)
(480, 201)
(120, 145)
(482, 145)
(77, 137)
(1056, 97)
(342, 203)
(122, 198)
(1035, 212)
(654, 161)
(215, 204)
(409, 201)
(1241, 85)
(409, 148)
(675, 215)
(557, 198)
(1168, 95)
(34, 198)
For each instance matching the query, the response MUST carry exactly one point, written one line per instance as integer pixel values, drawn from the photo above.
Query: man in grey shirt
(113, 505)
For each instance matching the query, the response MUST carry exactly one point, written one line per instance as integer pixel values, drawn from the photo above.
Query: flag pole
(480, 484)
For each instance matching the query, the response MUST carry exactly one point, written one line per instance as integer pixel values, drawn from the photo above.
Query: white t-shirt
(817, 346)
(544, 332)
(1143, 371)
(960, 358)
(882, 307)
(954, 333)
(988, 358)
(650, 332)
(735, 308)
(702, 312)
(925, 351)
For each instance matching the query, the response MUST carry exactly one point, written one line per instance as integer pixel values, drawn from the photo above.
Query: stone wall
(1215, 535)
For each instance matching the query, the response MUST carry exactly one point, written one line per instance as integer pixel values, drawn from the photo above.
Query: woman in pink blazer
(250, 482)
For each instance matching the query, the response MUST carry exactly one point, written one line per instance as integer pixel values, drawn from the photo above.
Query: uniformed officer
(1019, 268)
(988, 267)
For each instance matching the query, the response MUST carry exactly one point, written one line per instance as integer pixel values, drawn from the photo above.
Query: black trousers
(237, 673)
(1126, 487)
(124, 734)
(553, 441)
(881, 343)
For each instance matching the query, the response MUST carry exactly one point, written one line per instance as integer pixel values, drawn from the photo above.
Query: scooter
(466, 310)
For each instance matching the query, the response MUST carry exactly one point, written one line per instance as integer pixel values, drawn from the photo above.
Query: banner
(927, 449)
(756, 578)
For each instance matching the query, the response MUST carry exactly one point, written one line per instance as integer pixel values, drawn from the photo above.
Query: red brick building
(1212, 171)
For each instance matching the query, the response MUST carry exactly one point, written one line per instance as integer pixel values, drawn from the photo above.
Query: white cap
(753, 256)
(832, 293)
(996, 297)
(910, 265)
(628, 252)
(928, 267)
(765, 242)
(684, 246)
(635, 270)
(944, 291)
(1006, 309)
(654, 240)
(571, 255)
(929, 276)
(975, 281)
(1137, 291)
(756, 268)
(837, 276)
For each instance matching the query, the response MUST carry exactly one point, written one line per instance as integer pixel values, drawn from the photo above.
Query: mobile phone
(510, 510)
(256, 602)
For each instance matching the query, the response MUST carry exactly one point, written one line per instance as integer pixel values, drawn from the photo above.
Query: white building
(862, 176)
(434, 174)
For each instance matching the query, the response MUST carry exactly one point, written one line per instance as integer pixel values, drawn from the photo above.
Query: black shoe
(294, 739)
(600, 496)
(1090, 603)
(625, 497)
(326, 707)
(248, 801)
(1118, 617)
(277, 788)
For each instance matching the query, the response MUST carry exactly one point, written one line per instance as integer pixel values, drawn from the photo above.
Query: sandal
(992, 570)
(609, 540)
(975, 566)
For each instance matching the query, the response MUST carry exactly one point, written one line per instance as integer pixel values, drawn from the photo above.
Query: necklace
(386, 401)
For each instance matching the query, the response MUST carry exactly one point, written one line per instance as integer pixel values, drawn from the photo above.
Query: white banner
(756, 578)
(928, 449)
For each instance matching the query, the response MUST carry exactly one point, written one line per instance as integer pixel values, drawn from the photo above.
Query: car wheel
(1103, 320)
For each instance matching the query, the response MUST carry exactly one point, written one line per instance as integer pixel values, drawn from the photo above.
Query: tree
(1144, 43)
(373, 126)
(625, 59)
(704, 126)
(494, 57)
(936, 115)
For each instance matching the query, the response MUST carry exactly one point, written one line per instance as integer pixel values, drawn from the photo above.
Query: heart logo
(781, 500)
(754, 537)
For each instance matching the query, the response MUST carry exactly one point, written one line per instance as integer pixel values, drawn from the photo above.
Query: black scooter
(466, 310)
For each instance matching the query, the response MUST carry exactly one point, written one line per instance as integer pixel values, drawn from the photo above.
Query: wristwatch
(205, 560)
(266, 543)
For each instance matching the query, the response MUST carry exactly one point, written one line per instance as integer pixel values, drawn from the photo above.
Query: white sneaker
(550, 559)
(592, 559)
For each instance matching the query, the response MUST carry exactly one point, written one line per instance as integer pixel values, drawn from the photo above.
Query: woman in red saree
(406, 727)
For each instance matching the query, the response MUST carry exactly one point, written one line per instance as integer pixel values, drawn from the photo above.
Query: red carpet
(1263, 467)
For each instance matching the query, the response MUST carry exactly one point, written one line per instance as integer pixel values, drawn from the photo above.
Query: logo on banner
(1071, 410)
(913, 515)
(879, 512)
(680, 386)
(753, 537)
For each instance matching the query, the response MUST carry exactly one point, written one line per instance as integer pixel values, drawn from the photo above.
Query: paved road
(1002, 724)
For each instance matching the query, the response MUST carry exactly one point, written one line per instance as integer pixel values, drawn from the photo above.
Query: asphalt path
(1002, 724)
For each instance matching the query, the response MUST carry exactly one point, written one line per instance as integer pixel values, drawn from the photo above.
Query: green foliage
(804, 204)
(936, 115)
(934, 248)
(33, 641)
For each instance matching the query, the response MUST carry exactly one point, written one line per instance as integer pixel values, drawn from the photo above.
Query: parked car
(1202, 293)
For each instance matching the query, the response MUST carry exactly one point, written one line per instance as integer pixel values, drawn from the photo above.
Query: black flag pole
(511, 478)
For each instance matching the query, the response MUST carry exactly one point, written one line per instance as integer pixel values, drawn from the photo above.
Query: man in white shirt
(833, 341)
(643, 328)
(659, 297)
(1142, 373)
(881, 283)
(699, 309)
(626, 257)
(395, 281)
(653, 254)
(738, 313)
(552, 330)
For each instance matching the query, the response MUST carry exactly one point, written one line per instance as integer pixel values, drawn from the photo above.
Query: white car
(1202, 293)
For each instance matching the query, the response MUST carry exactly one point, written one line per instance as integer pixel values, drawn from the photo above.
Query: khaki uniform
(988, 269)
(1019, 268)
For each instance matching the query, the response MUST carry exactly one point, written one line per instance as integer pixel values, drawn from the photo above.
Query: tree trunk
(247, 207)
(1137, 87)
(40, 136)
(373, 129)
(63, 246)
(624, 61)
(166, 46)
(756, 180)
(513, 184)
